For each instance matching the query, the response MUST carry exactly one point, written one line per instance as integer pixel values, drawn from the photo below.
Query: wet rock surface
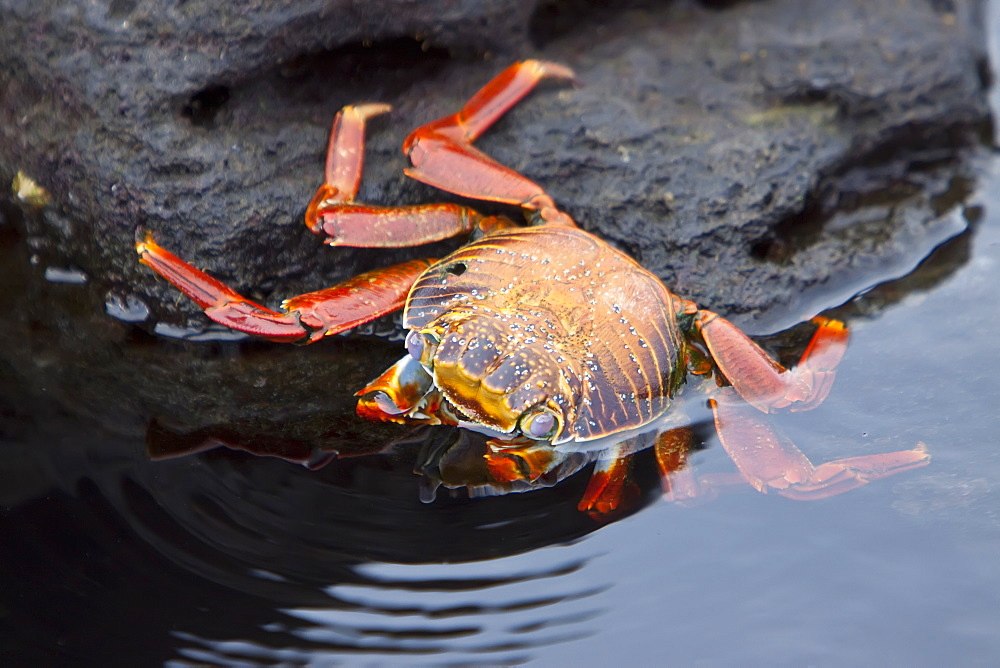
(761, 157)
(698, 137)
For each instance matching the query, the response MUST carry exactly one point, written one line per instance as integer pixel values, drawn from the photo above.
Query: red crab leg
(676, 478)
(333, 212)
(611, 490)
(763, 382)
(770, 462)
(442, 155)
(306, 318)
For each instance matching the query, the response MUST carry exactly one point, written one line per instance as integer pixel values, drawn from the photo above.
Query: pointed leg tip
(830, 325)
(144, 241)
(921, 455)
(372, 109)
(552, 70)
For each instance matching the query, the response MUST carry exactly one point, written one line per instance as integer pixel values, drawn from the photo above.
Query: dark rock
(696, 137)
(764, 158)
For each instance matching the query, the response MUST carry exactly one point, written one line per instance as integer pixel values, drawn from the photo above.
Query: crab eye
(420, 346)
(539, 423)
(415, 344)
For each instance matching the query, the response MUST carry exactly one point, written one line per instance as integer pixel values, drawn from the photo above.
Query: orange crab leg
(676, 479)
(306, 318)
(770, 462)
(759, 379)
(494, 100)
(333, 212)
(345, 150)
(442, 155)
(611, 490)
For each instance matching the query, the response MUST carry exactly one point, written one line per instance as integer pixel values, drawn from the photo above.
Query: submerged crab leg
(770, 462)
(306, 318)
(611, 489)
(333, 212)
(442, 155)
(676, 479)
(760, 380)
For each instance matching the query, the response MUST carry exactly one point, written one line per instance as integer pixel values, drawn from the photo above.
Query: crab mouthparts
(486, 431)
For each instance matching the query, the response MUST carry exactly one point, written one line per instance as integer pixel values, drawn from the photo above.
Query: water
(225, 558)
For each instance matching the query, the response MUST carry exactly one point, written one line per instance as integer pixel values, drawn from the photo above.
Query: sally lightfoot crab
(544, 338)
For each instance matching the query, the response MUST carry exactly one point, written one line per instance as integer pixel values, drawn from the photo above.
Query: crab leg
(333, 212)
(306, 318)
(759, 379)
(676, 478)
(442, 155)
(770, 462)
(611, 489)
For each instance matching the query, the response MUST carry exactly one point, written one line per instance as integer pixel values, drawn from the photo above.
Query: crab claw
(394, 395)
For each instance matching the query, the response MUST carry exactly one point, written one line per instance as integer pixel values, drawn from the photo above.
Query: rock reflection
(223, 556)
(230, 558)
